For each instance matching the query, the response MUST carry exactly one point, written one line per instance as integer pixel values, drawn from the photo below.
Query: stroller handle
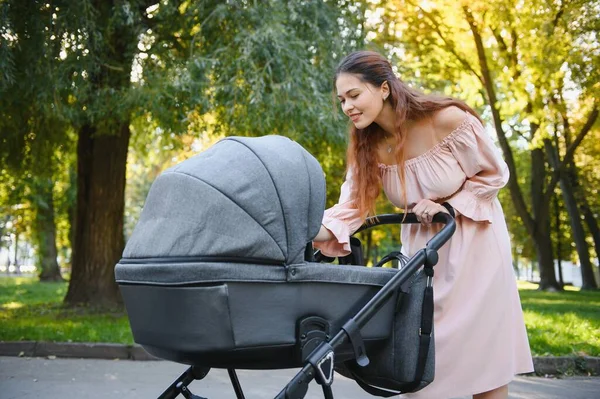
(401, 218)
(410, 218)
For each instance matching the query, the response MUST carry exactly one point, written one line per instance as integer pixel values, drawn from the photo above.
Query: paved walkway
(95, 379)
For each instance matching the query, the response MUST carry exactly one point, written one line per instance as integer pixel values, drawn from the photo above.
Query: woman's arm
(339, 222)
(324, 235)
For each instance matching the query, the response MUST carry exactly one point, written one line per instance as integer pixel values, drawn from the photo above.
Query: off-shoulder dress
(480, 336)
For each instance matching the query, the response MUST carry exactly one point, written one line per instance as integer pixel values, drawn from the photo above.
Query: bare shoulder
(446, 120)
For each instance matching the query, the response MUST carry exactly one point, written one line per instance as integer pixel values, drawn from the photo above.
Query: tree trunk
(2, 232)
(588, 214)
(590, 221)
(367, 253)
(541, 235)
(71, 205)
(561, 280)
(99, 240)
(16, 263)
(516, 267)
(568, 183)
(543, 246)
(588, 280)
(46, 232)
(592, 224)
(101, 166)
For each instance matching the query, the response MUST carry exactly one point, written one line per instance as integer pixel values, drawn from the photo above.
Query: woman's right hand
(426, 209)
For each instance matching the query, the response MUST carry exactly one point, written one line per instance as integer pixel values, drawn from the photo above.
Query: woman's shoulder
(448, 120)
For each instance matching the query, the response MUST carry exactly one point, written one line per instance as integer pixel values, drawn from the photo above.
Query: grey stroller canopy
(257, 200)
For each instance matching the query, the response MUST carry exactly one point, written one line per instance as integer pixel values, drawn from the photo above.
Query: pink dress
(480, 336)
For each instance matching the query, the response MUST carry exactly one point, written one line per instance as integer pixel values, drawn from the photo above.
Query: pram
(218, 274)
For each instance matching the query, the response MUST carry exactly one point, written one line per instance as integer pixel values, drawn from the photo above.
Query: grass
(33, 311)
(562, 323)
(559, 323)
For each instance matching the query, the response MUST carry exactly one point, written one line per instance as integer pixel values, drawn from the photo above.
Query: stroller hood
(254, 199)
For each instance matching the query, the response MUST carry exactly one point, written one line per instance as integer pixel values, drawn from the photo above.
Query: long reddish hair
(408, 103)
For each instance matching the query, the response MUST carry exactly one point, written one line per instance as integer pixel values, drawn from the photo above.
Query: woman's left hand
(426, 209)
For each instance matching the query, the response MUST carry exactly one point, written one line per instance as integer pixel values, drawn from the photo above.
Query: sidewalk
(22, 377)
(544, 365)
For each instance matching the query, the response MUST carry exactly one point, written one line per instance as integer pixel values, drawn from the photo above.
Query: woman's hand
(426, 209)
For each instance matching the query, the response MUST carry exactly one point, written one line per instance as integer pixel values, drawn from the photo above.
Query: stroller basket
(214, 274)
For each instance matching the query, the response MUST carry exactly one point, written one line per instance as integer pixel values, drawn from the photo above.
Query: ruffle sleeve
(341, 220)
(485, 170)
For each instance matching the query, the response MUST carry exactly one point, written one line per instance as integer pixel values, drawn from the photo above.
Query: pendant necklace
(389, 147)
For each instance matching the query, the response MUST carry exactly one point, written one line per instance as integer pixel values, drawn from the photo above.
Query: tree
(274, 59)
(514, 56)
(45, 230)
(587, 181)
(248, 68)
(31, 127)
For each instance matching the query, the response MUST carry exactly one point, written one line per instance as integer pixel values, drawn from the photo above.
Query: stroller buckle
(325, 369)
(322, 359)
(427, 334)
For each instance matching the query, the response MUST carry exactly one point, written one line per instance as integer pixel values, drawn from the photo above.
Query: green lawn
(32, 311)
(566, 323)
(562, 323)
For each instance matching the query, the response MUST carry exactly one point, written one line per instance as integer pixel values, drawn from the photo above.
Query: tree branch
(558, 16)
(449, 45)
(568, 158)
(514, 129)
(511, 54)
(515, 189)
(500, 40)
(112, 67)
(514, 37)
(584, 131)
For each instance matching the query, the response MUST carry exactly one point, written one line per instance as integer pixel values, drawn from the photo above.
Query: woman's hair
(408, 103)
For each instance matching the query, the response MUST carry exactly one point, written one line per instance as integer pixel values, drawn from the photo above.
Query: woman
(425, 150)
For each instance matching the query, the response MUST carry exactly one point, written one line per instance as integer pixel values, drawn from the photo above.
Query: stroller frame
(319, 363)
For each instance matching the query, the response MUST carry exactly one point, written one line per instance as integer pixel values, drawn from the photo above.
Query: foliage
(238, 68)
(535, 53)
(257, 68)
(33, 133)
(170, 68)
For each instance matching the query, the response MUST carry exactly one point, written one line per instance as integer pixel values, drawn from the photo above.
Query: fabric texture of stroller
(215, 273)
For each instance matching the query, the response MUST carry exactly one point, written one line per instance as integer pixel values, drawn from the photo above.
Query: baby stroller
(219, 270)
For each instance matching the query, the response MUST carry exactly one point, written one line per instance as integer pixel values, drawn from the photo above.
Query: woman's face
(361, 102)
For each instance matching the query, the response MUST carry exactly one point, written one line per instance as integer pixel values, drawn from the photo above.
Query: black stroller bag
(215, 273)
(406, 361)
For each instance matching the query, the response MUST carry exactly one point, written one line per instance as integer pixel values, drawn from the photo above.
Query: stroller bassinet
(214, 274)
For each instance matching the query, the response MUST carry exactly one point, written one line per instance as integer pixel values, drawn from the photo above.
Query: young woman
(425, 150)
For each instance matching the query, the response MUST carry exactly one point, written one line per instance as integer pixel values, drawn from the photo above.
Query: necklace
(389, 147)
